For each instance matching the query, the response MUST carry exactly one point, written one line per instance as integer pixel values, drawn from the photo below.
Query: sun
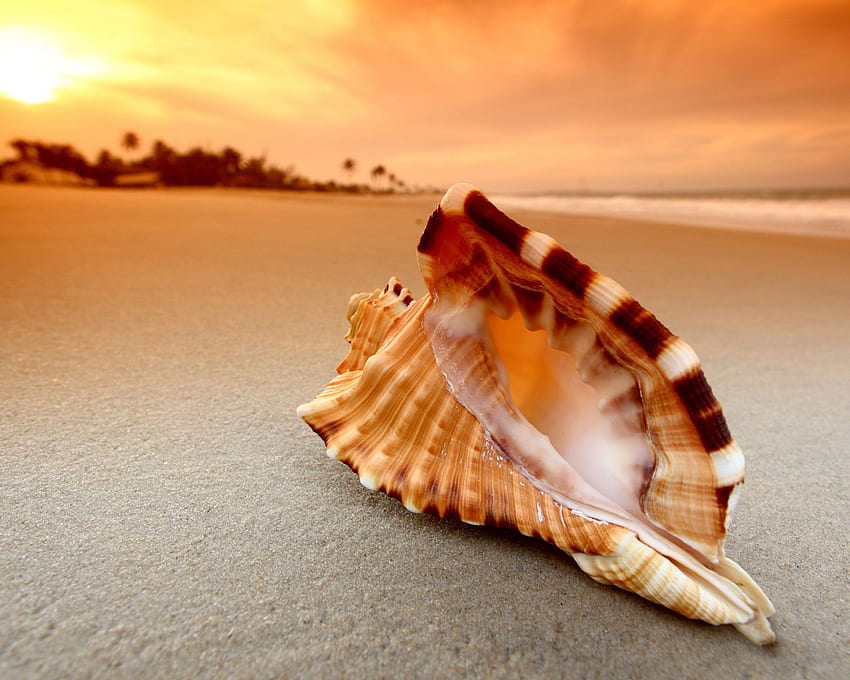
(32, 69)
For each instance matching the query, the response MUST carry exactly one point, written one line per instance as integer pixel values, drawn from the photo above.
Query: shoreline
(506, 203)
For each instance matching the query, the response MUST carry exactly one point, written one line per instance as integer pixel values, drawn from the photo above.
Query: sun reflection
(32, 69)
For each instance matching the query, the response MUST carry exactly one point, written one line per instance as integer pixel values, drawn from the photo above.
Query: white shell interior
(567, 413)
(569, 389)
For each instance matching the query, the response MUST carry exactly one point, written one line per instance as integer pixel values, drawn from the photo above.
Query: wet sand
(164, 513)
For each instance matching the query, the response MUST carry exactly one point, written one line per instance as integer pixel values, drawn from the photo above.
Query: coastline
(813, 213)
(163, 509)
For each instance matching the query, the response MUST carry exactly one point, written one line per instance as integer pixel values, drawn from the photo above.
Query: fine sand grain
(165, 514)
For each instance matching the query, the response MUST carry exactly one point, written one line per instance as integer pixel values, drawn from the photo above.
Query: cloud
(648, 89)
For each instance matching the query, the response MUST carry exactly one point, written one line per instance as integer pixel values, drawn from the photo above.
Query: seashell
(526, 390)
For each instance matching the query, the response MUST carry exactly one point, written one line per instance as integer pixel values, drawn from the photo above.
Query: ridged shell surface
(527, 391)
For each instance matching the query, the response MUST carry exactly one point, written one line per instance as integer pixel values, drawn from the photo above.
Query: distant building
(32, 172)
(138, 179)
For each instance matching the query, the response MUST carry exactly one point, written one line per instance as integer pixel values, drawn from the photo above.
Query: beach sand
(164, 512)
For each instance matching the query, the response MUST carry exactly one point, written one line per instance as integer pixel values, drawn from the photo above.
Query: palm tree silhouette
(130, 141)
(377, 172)
(349, 165)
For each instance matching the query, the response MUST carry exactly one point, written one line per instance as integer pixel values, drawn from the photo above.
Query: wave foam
(812, 217)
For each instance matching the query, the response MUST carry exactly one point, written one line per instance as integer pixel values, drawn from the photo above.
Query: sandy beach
(164, 513)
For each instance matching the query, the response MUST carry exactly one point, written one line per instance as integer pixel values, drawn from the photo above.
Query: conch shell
(526, 390)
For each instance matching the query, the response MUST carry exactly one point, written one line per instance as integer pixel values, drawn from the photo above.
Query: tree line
(196, 167)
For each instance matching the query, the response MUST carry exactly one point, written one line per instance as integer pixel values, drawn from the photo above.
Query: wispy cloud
(636, 92)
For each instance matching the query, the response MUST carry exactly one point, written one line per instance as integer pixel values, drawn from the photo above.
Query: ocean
(824, 213)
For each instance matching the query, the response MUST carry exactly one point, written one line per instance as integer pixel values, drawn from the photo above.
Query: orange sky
(642, 94)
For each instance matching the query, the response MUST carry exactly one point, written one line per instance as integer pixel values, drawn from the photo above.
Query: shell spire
(526, 390)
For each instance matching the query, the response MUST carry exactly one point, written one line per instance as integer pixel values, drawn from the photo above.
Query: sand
(164, 513)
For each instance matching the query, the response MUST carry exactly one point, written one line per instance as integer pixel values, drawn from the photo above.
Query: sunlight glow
(31, 69)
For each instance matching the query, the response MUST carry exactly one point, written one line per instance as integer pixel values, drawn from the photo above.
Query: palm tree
(377, 172)
(349, 165)
(130, 141)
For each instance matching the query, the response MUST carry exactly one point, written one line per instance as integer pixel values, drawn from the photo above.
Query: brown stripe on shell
(723, 494)
(695, 392)
(493, 220)
(426, 241)
(713, 431)
(700, 402)
(642, 327)
(568, 271)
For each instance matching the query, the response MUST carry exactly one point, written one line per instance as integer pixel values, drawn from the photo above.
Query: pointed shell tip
(757, 630)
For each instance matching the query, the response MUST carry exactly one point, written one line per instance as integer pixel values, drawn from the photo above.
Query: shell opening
(549, 394)
(569, 388)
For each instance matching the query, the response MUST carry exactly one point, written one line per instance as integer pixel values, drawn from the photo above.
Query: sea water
(808, 212)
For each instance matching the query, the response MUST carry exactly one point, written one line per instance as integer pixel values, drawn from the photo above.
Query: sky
(512, 96)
